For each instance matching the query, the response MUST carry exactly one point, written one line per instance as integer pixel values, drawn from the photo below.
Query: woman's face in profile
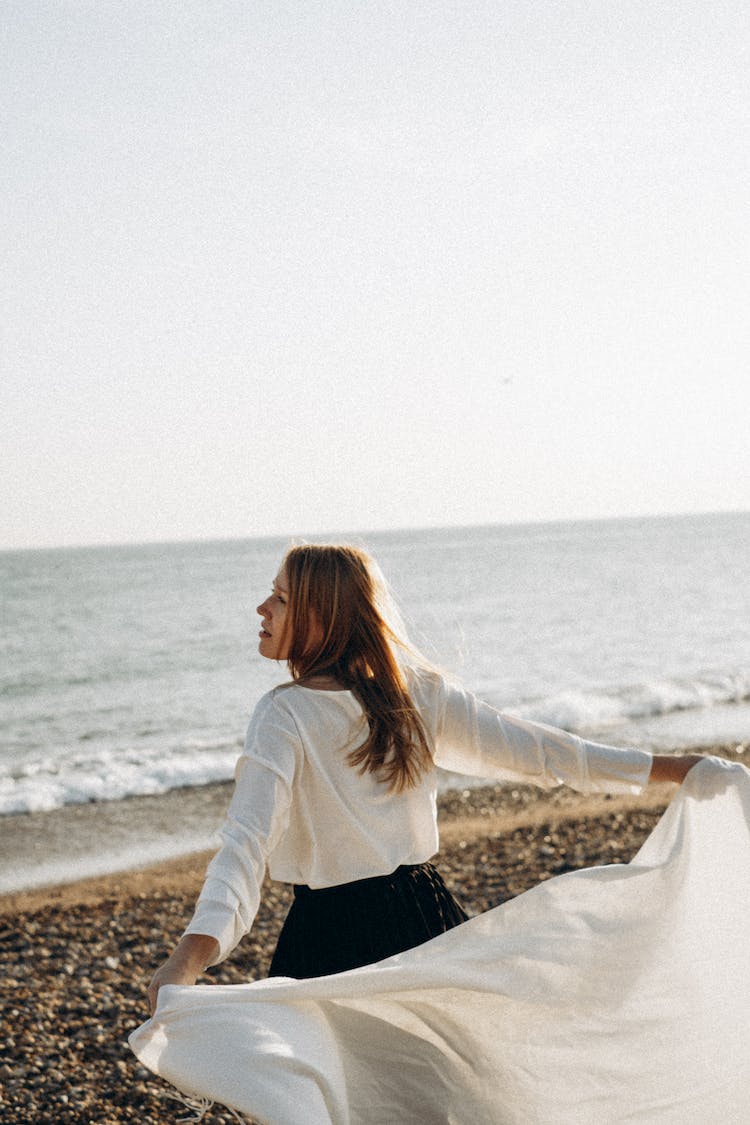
(273, 644)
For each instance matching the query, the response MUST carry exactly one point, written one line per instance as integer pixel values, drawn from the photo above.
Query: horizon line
(334, 535)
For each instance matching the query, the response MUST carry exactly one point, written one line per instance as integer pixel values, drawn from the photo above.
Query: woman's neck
(321, 683)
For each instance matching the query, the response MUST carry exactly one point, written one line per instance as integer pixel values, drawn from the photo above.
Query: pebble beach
(75, 959)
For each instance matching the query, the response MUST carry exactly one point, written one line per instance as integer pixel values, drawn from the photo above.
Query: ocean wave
(112, 775)
(581, 712)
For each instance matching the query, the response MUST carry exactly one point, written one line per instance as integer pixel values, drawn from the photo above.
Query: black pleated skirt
(338, 928)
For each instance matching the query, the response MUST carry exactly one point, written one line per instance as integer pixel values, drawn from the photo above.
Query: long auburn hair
(344, 625)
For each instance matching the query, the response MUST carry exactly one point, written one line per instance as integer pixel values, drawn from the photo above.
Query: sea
(129, 672)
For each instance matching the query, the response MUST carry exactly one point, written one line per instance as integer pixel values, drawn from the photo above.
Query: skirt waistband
(301, 890)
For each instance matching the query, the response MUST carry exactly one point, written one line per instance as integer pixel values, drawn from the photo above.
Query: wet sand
(75, 959)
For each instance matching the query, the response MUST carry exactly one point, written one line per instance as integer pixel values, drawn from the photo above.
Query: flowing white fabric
(608, 995)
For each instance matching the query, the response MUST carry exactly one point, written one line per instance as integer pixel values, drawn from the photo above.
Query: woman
(336, 786)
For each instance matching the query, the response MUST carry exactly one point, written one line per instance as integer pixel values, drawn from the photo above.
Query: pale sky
(293, 267)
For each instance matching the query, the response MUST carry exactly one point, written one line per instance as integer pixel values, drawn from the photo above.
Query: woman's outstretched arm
(473, 738)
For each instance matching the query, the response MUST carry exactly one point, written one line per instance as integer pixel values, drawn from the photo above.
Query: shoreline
(464, 815)
(77, 852)
(60, 846)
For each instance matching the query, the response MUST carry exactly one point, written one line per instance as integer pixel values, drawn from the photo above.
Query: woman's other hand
(668, 767)
(190, 957)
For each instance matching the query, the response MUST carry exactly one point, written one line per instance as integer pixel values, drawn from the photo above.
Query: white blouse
(299, 807)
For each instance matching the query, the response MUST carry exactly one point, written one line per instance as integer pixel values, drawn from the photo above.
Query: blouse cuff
(217, 921)
(617, 770)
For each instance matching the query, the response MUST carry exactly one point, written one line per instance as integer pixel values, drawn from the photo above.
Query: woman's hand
(668, 767)
(190, 957)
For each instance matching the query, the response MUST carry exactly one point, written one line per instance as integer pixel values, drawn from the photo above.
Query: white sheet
(613, 994)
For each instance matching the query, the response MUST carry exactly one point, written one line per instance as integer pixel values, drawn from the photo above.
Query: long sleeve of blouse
(256, 820)
(299, 807)
(473, 738)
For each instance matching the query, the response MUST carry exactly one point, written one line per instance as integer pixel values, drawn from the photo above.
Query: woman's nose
(261, 609)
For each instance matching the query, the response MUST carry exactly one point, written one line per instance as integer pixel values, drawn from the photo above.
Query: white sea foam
(586, 711)
(39, 786)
